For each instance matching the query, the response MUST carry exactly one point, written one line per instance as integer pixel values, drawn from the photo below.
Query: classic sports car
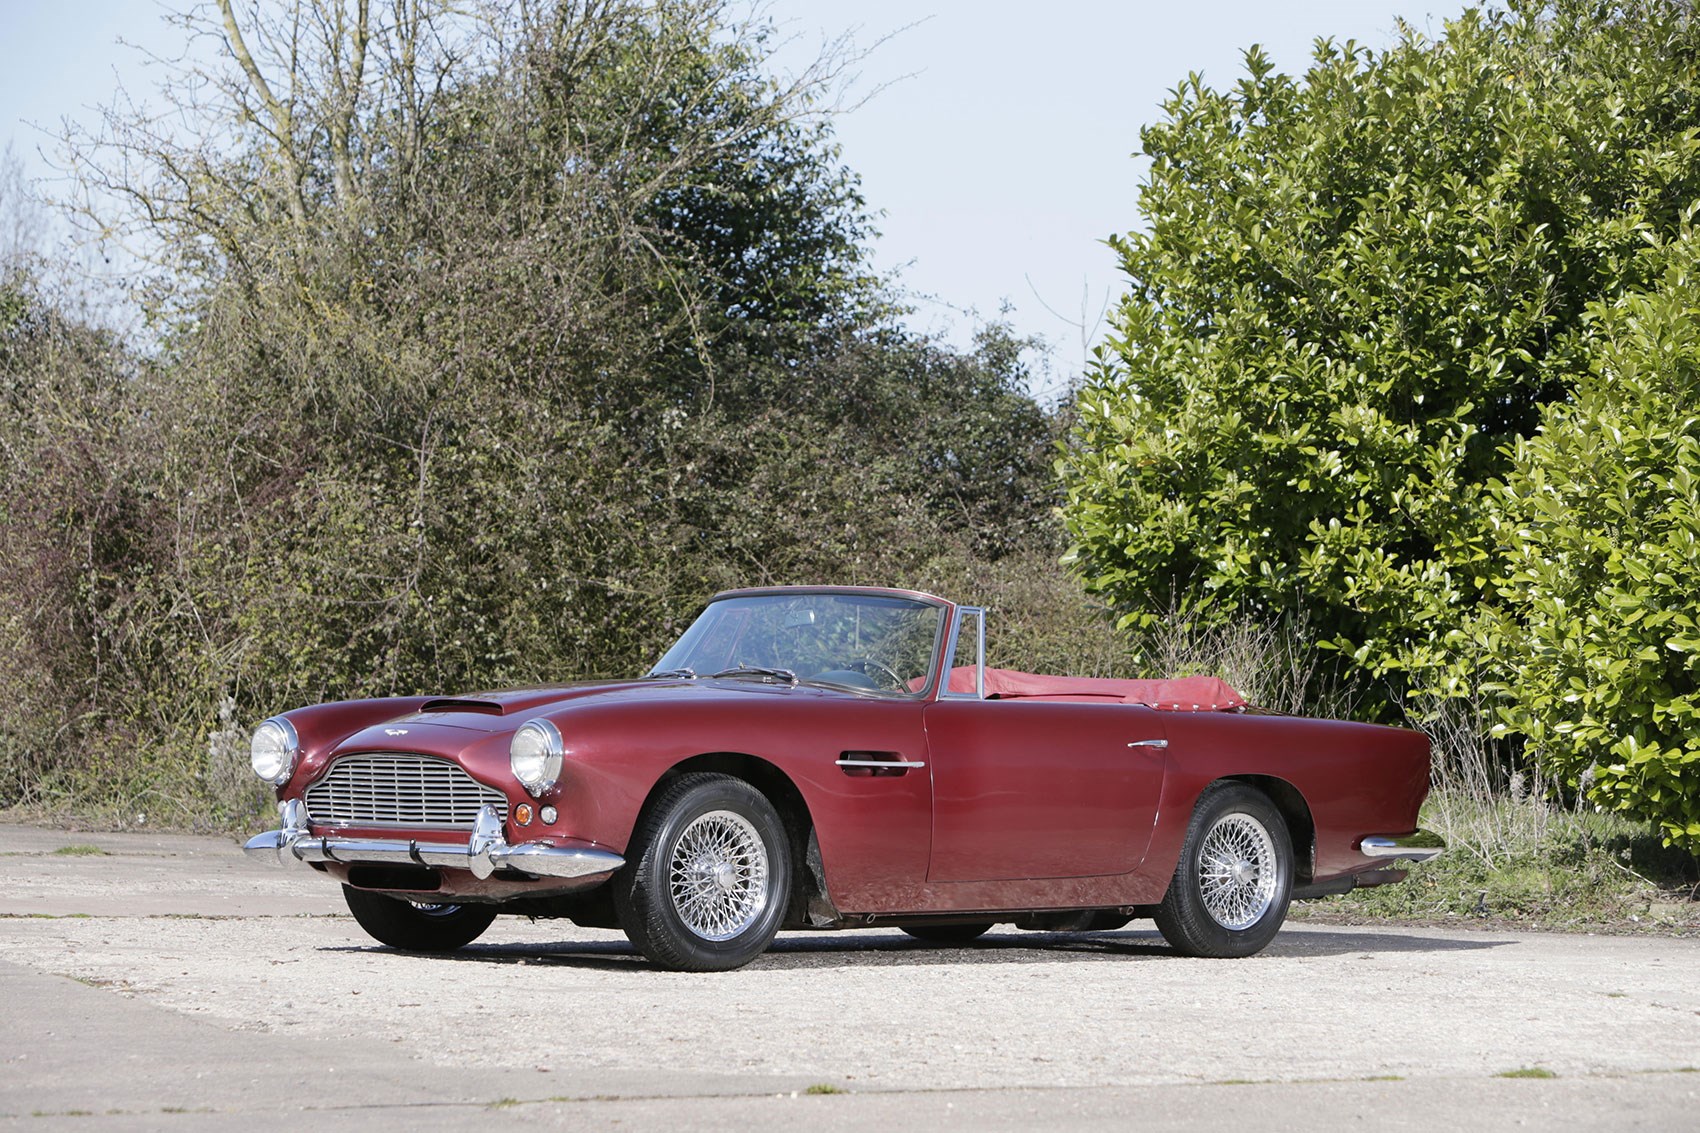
(838, 757)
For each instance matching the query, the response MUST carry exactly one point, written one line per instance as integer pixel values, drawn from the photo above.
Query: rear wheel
(415, 926)
(1231, 887)
(947, 933)
(707, 878)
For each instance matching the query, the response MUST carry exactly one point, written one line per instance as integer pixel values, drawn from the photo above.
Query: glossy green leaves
(1363, 373)
(1595, 632)
(1346, 299)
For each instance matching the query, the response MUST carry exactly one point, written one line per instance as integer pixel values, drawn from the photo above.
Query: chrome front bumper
(1417, 847)
(484, 853)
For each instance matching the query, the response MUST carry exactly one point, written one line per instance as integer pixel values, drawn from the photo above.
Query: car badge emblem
(395, 731)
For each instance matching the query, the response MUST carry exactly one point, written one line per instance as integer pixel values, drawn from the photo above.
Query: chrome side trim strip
(484, 853)
(1149, 743)
(1417, 847)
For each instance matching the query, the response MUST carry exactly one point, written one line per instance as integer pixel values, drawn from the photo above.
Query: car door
(862, 767)
(1041, 789)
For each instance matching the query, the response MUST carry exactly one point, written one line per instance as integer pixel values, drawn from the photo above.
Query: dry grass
(1274, 665)
(1483, 801)
(1523, 849)
(1581, 872)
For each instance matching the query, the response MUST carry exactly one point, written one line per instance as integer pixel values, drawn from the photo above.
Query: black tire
(947, 933)
(417, 928)
(727, 902)
(1229, 914)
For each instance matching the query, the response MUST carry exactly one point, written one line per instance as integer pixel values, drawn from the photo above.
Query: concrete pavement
(170, 983)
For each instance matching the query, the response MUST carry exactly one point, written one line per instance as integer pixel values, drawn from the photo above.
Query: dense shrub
(1352, 291)
(483, 364)
(1595, 630)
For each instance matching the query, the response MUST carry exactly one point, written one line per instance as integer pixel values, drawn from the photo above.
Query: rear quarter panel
(1356, 779)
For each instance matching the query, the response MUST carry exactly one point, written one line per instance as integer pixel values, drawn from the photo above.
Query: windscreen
(866, 642)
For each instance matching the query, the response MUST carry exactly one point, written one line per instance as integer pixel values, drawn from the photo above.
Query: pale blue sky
(999, 153)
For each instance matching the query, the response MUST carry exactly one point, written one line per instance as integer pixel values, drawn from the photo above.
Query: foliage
(1409, 351)
(76, 558)
(1519, 850)
(1354, 291)
(487, 341)
(1598, 526)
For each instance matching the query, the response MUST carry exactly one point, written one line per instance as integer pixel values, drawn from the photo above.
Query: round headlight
(273, 750)
(535, 755)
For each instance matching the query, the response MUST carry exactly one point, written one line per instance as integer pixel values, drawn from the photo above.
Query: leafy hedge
(1596, 627)
(486, 373)
(1353, 290)
(1408, 351)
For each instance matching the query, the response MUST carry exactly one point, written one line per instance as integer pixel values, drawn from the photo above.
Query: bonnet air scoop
(459, 704)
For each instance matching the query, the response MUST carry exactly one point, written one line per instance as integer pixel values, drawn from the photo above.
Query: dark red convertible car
(838, 757)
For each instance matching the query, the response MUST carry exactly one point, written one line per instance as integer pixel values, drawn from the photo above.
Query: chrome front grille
(399, 789)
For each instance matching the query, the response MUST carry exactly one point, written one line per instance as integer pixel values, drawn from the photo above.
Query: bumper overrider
(484, 853)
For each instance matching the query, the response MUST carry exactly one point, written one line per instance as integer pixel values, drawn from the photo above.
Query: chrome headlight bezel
(273, 750)
(535, 755)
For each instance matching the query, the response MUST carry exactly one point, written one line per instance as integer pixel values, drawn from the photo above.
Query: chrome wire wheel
(1237, 873)
(718, 876)
(431, 910)
(707, 874)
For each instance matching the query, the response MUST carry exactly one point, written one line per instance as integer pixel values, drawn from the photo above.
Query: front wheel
(707, 878)
(417, 927)
(1229, 894)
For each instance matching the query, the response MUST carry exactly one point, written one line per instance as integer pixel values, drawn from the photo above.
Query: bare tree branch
(281, 113)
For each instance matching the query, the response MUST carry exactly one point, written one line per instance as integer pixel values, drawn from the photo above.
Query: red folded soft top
(1182, 694)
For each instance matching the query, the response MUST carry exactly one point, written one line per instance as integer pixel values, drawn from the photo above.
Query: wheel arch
(1295, 811)
(808, 882)
(1185, 915)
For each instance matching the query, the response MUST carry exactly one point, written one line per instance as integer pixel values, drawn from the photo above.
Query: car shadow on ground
(854, 949)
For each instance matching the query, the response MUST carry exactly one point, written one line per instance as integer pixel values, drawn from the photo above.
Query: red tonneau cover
(1183, 694)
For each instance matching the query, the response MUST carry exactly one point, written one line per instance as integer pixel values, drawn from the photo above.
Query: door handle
(899, 764)
(879, 764)
(1149, 743)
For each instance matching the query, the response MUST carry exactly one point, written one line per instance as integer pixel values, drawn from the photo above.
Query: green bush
(1598, 522)
(1353, 290)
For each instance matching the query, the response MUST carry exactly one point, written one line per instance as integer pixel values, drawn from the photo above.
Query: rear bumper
(484, 853)
(1416, 847)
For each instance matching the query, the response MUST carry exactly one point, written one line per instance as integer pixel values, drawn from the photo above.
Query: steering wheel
(870, 667)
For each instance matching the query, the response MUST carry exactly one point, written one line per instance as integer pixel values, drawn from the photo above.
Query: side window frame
(963, 613)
